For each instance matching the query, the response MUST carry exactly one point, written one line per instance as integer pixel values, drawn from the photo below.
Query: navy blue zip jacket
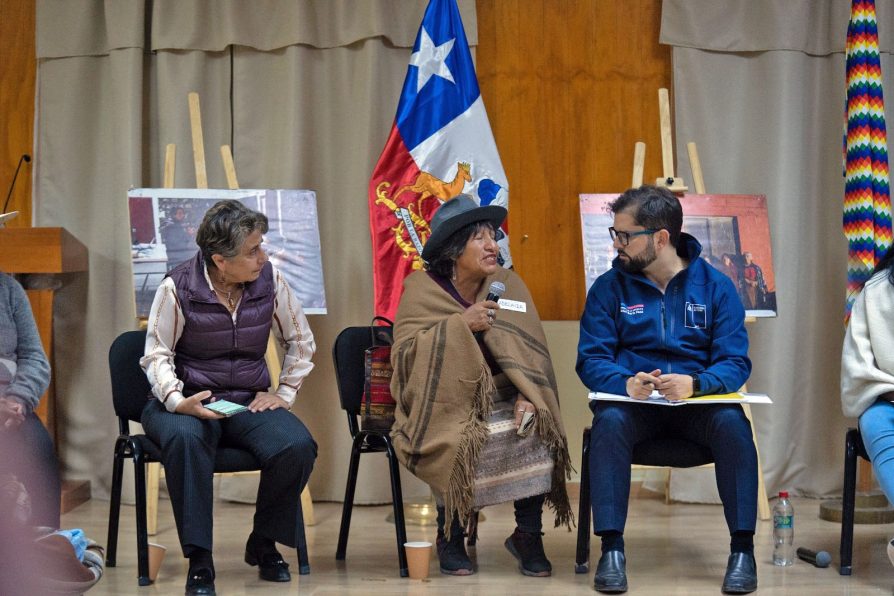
(696, 326)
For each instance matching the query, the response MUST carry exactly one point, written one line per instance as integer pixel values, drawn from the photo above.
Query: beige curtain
(759, 87)
(305, 91)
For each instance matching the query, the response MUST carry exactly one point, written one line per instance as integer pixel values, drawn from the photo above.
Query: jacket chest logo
(633, 309)
(696, 316)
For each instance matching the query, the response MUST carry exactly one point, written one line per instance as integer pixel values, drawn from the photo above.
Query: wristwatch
(696, 384)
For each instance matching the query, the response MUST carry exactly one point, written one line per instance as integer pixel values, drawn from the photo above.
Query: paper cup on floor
(156, 556)
(418, 557)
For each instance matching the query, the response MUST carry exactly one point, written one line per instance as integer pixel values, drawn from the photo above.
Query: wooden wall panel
(569, 86)
(18, 67)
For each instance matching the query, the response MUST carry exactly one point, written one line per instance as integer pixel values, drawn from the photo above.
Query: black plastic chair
(348, 354)
(853, 447)
(672, 453)
(130, 391)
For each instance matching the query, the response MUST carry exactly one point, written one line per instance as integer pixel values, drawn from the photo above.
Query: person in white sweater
(867, 372)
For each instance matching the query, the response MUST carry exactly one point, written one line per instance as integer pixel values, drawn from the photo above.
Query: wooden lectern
(42, 250)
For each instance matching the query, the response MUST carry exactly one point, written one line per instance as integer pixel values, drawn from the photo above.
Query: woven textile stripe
(867, 201)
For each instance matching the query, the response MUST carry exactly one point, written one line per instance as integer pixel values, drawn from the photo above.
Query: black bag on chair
(377, 412)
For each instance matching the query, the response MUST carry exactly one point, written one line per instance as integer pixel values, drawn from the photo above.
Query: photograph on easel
(734, 231)
(163, 224)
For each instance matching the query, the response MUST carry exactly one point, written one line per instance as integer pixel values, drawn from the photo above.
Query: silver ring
(490, 313)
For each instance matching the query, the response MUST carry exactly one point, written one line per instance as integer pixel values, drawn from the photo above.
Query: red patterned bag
(377, 411)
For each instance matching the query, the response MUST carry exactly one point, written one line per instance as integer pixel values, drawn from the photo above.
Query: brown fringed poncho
(443, 388)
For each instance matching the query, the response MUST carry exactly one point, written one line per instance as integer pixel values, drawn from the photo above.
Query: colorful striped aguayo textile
(867, 202)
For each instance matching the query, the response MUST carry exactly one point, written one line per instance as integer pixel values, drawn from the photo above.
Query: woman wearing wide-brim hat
(466, 373)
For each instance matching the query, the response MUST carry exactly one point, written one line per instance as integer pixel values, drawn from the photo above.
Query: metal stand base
(418, 514)
(871, 508)
(422, 514)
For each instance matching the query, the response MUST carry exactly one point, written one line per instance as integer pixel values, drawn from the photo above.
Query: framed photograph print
(163, 224)
(734, 232)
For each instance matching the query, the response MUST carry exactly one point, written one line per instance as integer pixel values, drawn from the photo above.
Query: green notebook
(227, 408)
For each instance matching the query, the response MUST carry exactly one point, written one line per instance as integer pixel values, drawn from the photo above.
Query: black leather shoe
(271, 566)
(200, 582)
(611, 573)
(741, 574)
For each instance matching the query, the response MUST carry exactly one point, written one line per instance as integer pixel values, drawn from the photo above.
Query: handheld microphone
(493, 295)
(817, 559)
(26, 158)
(496, 290)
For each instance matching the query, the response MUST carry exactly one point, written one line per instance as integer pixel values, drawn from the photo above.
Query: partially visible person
(867, 372)
(466, 373)
(729, 268)
(26, 449)
(20, 571)
(664, 320)
(179, 238)
(208, 331)
(753, 283)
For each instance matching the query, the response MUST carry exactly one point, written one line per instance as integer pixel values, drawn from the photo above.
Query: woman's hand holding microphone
(481, 315)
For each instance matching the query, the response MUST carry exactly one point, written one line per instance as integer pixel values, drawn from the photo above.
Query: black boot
(452, 553)
(527, 548)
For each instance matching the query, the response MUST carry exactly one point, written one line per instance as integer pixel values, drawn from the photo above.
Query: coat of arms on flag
(440, 146)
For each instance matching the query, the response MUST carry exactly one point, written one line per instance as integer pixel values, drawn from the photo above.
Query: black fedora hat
(454, 214)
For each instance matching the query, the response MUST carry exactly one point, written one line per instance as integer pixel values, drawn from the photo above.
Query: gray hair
(225, 227)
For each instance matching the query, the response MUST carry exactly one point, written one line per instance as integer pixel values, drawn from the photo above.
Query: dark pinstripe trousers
(277, 438)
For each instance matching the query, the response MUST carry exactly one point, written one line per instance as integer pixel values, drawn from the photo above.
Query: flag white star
(430, 60)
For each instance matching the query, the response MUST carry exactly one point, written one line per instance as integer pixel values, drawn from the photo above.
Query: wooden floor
(671, 549)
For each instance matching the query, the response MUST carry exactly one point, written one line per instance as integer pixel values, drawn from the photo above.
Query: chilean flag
(440, 145)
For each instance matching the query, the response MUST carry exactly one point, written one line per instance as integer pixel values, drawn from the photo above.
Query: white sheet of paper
(658, 400)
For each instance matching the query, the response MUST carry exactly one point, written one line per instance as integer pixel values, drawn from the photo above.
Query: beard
(641, 261)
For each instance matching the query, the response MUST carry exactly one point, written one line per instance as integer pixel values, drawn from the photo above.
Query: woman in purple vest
(206, 341)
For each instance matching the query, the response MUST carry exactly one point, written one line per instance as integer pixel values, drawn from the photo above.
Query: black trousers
(723, 428)
(278, 440)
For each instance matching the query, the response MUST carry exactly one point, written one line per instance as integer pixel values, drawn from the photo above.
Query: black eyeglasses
(623, 238)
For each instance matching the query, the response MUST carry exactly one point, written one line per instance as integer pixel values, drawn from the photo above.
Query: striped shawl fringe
(460, 493)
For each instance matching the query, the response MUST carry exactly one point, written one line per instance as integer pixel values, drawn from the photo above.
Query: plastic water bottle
(783, 531)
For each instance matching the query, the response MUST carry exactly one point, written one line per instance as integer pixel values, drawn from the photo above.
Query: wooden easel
(676, 185)
(153, 470)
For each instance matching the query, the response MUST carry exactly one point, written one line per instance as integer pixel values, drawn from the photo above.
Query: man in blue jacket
(662, 319)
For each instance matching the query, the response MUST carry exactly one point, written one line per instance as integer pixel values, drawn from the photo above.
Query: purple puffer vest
(212, 352)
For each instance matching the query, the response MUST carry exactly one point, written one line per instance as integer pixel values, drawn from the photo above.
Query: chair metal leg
(115, 507)
(139, 467)
(301, 542)
(397, 499)
(348, 505)
(582, 556)
(848, 498)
